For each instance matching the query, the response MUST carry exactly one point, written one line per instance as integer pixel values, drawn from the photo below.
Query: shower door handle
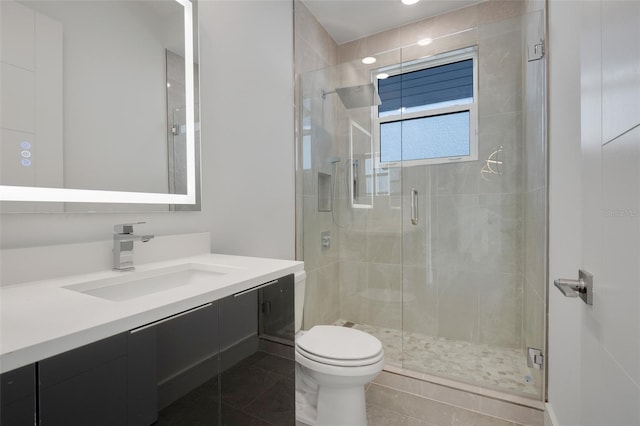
(414, 206)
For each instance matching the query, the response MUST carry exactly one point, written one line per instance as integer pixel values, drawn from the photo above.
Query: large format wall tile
(500, 308)
(420, 301)
(458, 294)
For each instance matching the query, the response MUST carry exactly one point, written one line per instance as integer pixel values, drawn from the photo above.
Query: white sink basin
(137, 284)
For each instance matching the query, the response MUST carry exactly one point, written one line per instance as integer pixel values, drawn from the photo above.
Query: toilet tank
(300, 286)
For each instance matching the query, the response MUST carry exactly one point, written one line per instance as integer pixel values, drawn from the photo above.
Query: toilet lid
(339, 343)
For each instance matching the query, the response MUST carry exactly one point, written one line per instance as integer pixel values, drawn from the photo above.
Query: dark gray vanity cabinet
(142, 377)
(201, 366)
(85, 386)
(108, 382)
(18, 396)
(257, 387)
(277, 313)
(187, 352)
(127, 379)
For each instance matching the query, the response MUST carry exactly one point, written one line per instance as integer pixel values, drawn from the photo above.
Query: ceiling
(348, 20)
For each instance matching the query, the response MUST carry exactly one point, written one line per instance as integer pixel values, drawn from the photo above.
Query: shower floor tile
(503, 369)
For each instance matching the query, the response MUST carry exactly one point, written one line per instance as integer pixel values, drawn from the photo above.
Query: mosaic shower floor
(479, 364)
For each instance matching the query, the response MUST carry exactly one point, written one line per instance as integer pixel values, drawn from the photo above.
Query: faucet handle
(125, 228)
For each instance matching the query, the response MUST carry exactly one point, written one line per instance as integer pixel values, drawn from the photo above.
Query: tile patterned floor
(497, 368)
(258, 391)
(391, 407)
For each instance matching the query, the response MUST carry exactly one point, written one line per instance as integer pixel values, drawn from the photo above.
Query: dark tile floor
(257, 391)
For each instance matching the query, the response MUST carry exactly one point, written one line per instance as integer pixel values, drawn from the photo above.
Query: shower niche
(324, 192)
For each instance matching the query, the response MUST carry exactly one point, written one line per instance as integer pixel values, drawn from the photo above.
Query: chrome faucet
(123, 238)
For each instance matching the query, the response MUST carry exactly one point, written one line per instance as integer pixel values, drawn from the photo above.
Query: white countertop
(41, 319)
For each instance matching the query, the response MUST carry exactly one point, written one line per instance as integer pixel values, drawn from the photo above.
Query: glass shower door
(470, 213)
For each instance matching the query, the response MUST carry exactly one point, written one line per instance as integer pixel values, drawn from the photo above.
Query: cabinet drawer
(17, 384)
(77, 361)
(18, 395)
(97, 397)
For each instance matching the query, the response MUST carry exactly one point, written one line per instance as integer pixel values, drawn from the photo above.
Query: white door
(594, 351)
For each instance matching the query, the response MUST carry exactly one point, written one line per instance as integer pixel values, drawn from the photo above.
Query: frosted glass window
(437, 136)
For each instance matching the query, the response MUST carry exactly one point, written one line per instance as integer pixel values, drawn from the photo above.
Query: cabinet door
(257, 387)
(142, 377)
(187, 382)
(18, 397)
(85, 386)
(277, 319)
(187, 352)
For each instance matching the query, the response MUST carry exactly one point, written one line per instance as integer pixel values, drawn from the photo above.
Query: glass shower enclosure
(422, 200)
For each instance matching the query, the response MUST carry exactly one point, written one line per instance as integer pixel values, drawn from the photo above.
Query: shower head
(363, 95)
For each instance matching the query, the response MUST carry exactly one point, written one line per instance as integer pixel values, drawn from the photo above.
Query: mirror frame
(29, 193)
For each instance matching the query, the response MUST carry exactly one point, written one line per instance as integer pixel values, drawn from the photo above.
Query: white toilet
(333, 364)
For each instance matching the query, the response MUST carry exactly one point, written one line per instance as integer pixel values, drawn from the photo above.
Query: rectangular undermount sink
(137, 284)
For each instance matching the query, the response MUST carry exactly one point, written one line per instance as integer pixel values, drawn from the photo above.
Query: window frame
(421, 64)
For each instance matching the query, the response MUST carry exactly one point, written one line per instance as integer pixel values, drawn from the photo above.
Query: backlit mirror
(99, 104)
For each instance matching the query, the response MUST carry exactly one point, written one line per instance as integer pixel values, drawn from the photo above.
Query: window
(428, 113)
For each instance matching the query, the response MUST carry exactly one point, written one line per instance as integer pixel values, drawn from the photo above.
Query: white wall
(249, 81)
(247, 144)
(594, 351)
(564, 212)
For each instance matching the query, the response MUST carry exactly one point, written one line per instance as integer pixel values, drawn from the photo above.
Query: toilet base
(342, 406)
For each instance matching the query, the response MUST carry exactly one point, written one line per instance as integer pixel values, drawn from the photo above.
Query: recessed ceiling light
(410, 2)
(382, 76)
(369, 60)
(424, 41)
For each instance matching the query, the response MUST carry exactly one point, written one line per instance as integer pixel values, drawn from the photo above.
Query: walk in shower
(421, 190)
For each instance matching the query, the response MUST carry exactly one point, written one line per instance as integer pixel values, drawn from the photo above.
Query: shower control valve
(325, 239)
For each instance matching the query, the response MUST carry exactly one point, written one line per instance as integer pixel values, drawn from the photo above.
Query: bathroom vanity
(115, 348)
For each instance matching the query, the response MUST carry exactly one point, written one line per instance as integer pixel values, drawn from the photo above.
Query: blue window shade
(436, 136)
(427, 86)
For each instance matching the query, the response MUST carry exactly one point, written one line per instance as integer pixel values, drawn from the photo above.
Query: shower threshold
(493, 367)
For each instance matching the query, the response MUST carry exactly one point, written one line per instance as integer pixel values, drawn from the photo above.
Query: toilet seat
(339, 346)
